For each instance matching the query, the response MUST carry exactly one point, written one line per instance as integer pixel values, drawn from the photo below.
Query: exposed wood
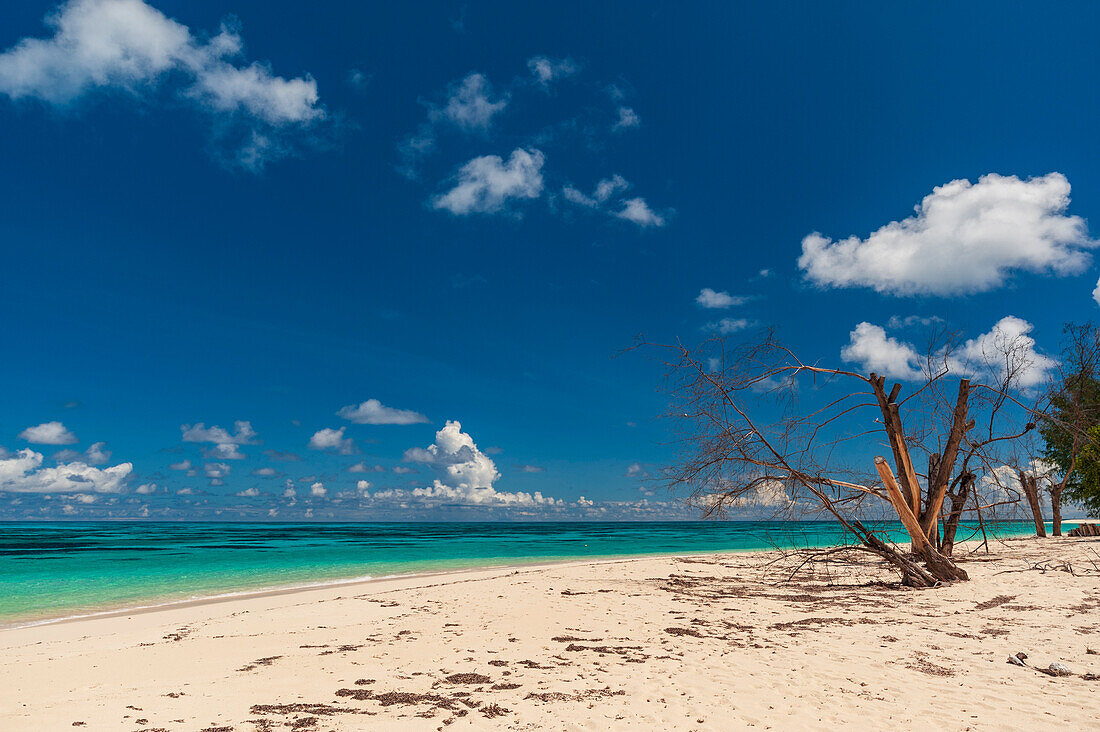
(938, 481)
(904, 512)
(1030, 485)
(878, 384)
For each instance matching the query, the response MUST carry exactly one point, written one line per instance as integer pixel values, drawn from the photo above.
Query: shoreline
(620, 643)
(155, 604)
(279, 591)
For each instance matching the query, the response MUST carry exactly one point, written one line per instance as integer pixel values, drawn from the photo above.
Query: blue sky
(238, 211)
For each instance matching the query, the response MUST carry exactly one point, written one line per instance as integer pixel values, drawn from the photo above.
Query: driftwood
(1085, 530)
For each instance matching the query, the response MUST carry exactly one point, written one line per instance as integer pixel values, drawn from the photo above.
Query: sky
(284, 261)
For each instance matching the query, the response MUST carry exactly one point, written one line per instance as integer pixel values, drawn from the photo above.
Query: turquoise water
(50, 570)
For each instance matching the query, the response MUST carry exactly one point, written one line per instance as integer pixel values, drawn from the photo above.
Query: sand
(709, 643)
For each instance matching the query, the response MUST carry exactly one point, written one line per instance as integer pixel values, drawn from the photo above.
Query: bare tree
(748, 439)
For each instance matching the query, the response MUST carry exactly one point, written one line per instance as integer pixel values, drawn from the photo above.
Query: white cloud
(605, 189)
(146, 488)
(546, 70)
(317, 490)
(23, 473)
(637, 211)
(635, 470)
(725, 326)
(48, 433)
(373, 411)
(226, 451)
(216, 471)
(769, 494)
(708, 298)
(248, 493)
(487, 183)
(181, 465)
(362, 467)
(1008, 346)
(363, 486)
(267, 472)
(964, 238)
(628, 118)
(465, 475)
(290, 493)
(874, 351)
(330, 439)
(470, 105)
(243, 435)
(1096, 293)
(98, 454)
(131, 47)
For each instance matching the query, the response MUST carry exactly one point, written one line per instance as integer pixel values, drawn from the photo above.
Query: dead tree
(1029, 484)
(735, 456)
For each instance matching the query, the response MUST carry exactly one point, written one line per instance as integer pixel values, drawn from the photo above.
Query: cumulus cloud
(130, 47)
(874, 351)
(637, 211)
(317, 490)
(181, 465)
(487, 183)
(465, 475)
(469, 107)
(1006, 348)
(470, 104)
(334, 440)
(216, 471)
(243, 434)
(248, 493)
(605, 189)
(628, 118)
(97, 454)
(373, 411)
(362, 467)
(1096, 293)
(227, 451)
(22, 472)
(266, 472)
(964, 237)
(547, 70)
(708, 298)
(48, 433)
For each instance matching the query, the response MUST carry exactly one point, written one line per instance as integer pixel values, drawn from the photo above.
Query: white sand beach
(703, 643)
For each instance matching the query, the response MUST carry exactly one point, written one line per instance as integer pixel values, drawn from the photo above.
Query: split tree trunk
(1030, 485)
(954, 514)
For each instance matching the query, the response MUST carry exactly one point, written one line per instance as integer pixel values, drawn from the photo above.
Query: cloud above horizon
(132, 49)
(48, 433)
(487, 184)
(373, 411)
(464, 475)
(22, 472)
(964, 238)
(1007, 346)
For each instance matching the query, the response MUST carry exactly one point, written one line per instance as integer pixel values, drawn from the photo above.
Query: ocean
(64, 569)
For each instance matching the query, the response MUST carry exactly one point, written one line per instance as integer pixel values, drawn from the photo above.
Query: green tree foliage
(1072, 430)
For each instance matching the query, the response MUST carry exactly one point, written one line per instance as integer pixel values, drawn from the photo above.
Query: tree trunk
(1030, 485)
(951, 521)
(937, 569)
(1056, 509)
